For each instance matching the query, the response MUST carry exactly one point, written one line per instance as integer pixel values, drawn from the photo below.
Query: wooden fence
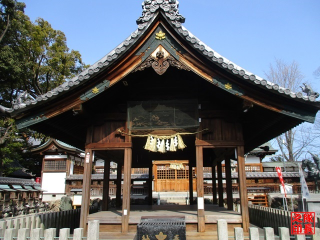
(270, 217)
(65, 219)
(93, 233)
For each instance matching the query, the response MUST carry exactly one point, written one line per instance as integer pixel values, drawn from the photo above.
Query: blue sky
(250, 33)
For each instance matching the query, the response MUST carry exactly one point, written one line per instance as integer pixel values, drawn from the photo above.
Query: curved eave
(58, 144)
(112, 60)
(233, 68)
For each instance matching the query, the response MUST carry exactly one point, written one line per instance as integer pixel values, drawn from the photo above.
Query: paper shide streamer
(164, 143)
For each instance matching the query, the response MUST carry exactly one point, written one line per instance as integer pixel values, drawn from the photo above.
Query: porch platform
(110, 221)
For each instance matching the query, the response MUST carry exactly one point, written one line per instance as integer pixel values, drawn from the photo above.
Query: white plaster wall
(50, 197)
(99, 163)
(252, 159)
(54, 183)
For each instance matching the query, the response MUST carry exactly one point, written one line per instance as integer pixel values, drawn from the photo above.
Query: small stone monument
(66, 203)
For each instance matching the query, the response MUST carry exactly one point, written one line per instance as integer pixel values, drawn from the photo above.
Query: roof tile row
(150, 11)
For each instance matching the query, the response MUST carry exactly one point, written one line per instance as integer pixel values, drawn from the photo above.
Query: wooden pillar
(191, 185)
(214, 185)
(106, 181)
(155, 174)
(220, 185)
(85, 204)
(68, 167)
(228, 183)
(118, 182)
(200, 192)
(150, 184)
(243, 189)
(126, 190)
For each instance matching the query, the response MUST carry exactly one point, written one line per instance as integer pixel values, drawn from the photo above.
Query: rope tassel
(148, 144)
(181, 144)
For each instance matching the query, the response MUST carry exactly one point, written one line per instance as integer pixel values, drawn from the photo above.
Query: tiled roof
(280, 164)
(59, 144)
(151, 9)
(7, 180)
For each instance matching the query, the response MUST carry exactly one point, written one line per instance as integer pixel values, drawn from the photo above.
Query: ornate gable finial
(170, 8)
(160, 60)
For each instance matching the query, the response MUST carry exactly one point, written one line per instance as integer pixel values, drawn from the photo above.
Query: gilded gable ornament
(160, 35)
(228, 86)
(95, 90)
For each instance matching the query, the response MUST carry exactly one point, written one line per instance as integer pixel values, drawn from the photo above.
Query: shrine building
(162, 94)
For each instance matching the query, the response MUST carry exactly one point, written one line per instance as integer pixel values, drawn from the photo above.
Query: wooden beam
(200, 191)
(228, 183)
(214, 185)
(150, 183)
(191, 184)
(109, 145)
(126, 190)
(118, 183)
(106, 184)
(243, 189)
(86, 188)
(217, 143)
(220, 186)
(155, 174)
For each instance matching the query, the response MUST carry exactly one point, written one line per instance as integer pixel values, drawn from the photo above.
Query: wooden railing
(271, 217)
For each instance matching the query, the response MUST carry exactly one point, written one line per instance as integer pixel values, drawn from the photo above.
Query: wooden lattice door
(171, 176)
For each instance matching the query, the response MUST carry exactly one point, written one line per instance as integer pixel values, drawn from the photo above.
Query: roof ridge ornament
(170, 8)
(309, 91)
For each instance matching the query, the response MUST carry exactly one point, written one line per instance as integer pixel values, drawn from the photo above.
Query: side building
(60, 160)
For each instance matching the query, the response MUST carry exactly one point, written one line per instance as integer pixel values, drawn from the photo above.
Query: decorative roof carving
(160, 63)
(308, 90)
(169, 7)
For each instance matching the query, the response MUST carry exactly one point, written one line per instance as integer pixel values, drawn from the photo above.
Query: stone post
(222, 229)
(93, 230)
(23, 234)
(238, 233)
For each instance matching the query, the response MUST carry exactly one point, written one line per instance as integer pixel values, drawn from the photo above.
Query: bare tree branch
(298, 140)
